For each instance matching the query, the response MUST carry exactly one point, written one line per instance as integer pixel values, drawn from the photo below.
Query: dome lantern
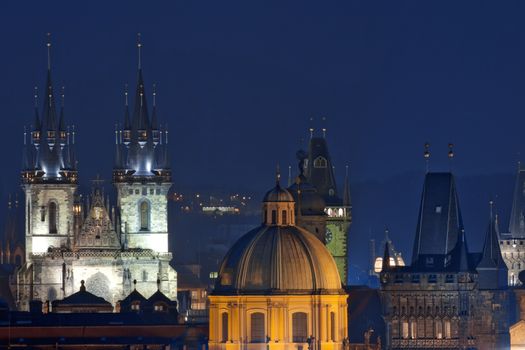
(278, 206)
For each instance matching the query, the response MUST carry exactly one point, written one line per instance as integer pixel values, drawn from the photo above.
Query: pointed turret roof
(320, 172)
(346, 191)
(140, 111)
(517, 216)
(462, 254)
(491, 255)
(439, 222)
(49, 116)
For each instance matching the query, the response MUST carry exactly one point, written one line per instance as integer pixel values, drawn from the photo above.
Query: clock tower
(320, 208)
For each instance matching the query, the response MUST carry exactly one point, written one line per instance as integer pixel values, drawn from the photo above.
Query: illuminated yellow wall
(278, 311)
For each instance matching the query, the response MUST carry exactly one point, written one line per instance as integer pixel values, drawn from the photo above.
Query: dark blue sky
(238, 80)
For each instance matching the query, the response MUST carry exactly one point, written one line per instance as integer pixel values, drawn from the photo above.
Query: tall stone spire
(51, 155)
(142, 154)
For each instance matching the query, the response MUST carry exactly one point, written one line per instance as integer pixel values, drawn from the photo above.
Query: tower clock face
(328, 236)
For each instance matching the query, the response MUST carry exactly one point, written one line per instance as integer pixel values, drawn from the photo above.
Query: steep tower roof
(517, 217)
(491, 255)
(439, 222)
(139, 154)
(50, 159)
(320, 172)
(492, 270)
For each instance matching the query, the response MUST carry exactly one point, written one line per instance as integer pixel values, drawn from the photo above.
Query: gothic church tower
(49, 176)
(142, 174)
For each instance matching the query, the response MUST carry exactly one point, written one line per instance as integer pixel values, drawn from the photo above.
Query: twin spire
(141, 143)
(49, 156)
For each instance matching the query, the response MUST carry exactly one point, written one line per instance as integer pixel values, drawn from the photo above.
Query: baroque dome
(278, 194)
(278, 260)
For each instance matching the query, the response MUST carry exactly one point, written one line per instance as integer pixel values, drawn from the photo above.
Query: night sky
(238, 82)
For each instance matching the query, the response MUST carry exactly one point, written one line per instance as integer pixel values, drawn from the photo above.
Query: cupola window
(299, 327)
(258, 333)
(274, 217)
(284, 218)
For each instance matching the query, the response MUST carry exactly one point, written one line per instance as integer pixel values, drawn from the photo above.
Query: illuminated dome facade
(278, 260)
(278, 285)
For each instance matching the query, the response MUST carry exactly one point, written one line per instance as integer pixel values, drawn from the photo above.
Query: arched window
(224, 325)
(404, 329)
(284, 218)
(320, 162)
(299, 327)
(144, 215)
(257, 328)
(413, 329)
(332, 326)
(439, 329)
(448, 330)
(274, 217)
(53, 217)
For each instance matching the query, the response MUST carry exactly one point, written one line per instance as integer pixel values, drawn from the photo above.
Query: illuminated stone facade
(278, 288)
(69, 240)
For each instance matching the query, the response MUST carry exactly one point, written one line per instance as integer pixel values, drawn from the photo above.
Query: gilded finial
(426, 154)
(154, 95)
(126, 94)
(324, 127)
(277, 174)
(139, 47)
(311, 127)
(63, 95)
(36, 97)
(48, 45)
(451, 150)
(491, 206)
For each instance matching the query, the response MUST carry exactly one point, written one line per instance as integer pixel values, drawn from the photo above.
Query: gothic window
(284, 218)
(257, 331)
(144, 191)
(144, 215)
(448, 331)
(413, 329)
(439, 329)
(299, 327)
(53, 217)
(224, 326)
(320, 162)
(404, 330)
